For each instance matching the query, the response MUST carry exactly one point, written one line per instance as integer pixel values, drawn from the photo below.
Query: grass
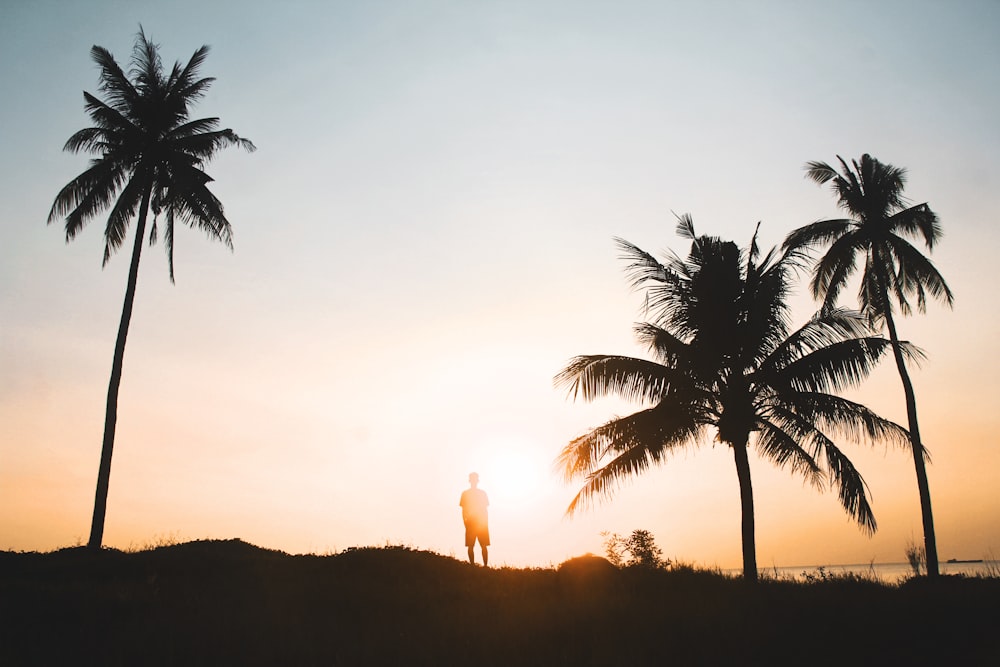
(231, 603)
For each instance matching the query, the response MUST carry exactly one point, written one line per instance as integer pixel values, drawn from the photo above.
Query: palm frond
(113, 82)
(88, 194)
(754, 250)
(851, 488)
(193, 129)
(119, 126)
(917, 222)
(830, 413)
(820, 172)
(622, 448)
(653, 429)
(593, 376)
(849, 189)
(204, 145)
(89, 139)
(667, 347)
(918, 274)
(764, 317)
(825, 327)
(836, 366)
(818, 233)
(642, 266)
(782, 449)
(685, 227)
(835, 267)
(147, 67)
(185, 83)
(124, 209)
(196, 206)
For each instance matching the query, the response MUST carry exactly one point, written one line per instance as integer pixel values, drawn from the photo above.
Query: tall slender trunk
(746, 505)
(111, 413)
(930, 541)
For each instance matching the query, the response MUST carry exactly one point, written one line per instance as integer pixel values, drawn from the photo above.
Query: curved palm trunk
(930, 541)
(746, 505)
(111, 413)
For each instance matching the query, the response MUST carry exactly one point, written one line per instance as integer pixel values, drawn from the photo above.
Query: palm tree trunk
(746, 505)
(930, 541)
(111, 413)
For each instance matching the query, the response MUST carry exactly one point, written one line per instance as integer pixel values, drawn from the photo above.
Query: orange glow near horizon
(249, 489)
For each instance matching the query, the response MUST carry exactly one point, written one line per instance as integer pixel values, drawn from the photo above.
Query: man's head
(473, 478)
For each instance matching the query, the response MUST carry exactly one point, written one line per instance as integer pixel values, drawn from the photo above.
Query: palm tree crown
(148, 150)
(876, 237)
(725, 360)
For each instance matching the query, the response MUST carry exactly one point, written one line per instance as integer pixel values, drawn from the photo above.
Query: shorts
(475, 530)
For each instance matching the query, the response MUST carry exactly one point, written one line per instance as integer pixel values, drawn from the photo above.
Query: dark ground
(230, 603)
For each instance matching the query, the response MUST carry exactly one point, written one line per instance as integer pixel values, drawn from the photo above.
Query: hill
(229, 602)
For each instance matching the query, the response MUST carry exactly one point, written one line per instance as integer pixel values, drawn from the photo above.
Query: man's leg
(486, 556)
(472, 554)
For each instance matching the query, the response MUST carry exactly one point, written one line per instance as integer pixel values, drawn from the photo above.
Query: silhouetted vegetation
(895, 273)
(228, 603)
(916, 557)
(149, 158)
(726, 364)
(639, 549)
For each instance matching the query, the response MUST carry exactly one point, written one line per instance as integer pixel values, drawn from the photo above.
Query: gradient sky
(424, 238)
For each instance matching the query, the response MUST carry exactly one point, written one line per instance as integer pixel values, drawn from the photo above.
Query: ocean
(888, 572)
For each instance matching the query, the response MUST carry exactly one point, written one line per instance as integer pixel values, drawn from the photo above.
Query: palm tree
(149, 157)
(895, 273)
(726, 361)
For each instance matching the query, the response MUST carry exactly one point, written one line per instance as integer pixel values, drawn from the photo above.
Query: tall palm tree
(895, 273)
(725, 360)
(149, 157)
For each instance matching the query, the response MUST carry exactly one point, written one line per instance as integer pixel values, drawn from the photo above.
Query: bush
(637, 550)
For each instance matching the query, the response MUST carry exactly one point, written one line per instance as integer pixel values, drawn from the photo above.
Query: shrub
(637, 550)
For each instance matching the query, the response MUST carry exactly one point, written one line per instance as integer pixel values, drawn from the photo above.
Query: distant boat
(959, 560)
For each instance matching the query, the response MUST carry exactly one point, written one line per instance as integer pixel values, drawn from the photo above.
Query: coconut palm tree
(895, 273)
(149, 157)
(726, 361)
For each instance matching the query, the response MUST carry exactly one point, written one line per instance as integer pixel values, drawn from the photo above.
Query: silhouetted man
(474, 503)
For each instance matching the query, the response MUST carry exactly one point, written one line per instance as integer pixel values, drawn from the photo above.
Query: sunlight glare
(514, 471)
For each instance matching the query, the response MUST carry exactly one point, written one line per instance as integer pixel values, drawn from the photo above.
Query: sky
(424, 238)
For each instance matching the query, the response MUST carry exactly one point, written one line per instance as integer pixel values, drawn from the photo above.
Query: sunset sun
(514, 471)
